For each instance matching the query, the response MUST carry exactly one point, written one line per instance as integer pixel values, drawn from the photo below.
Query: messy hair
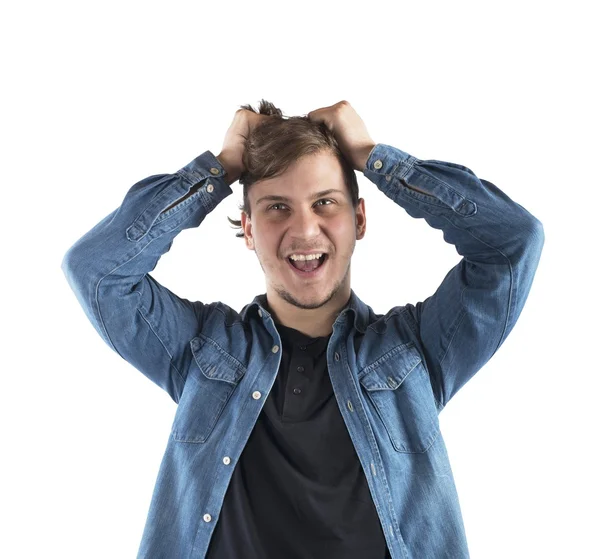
(273, 145)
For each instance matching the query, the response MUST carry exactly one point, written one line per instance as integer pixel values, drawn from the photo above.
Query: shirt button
(337, 356)
(388, 177)
(207, 518)
(214, 170)
(297, 390)
(259, 313)
(300, 369)
(378, 164)
(302, 347)
(275, 349)
(210, 188)
(226, 460)
(256, 394)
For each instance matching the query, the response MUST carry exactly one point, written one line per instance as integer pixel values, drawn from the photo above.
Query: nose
(305, 224)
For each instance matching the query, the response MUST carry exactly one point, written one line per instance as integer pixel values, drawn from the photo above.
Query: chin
(310, 298)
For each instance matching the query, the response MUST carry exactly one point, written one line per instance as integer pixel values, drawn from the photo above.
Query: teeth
(305, 256)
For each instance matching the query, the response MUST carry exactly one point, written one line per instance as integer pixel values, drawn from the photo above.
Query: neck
(312, 322)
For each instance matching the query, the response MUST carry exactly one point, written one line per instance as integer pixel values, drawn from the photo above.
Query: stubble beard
(289, 297)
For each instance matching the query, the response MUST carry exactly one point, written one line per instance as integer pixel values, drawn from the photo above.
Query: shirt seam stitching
(137, 308)
(147, 321)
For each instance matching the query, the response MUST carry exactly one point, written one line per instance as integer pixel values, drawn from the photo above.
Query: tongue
(306, 265)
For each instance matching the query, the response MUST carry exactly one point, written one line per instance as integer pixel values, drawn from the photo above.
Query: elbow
(72, 267)
(79, 272)
(68, 265)
(528, 251)
(534, 237)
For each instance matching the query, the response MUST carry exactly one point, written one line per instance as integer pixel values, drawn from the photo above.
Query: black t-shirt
(298, 490)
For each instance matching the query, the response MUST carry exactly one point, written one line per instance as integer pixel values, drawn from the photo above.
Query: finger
(318, 115)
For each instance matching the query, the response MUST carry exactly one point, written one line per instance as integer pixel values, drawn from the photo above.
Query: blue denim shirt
(219, 364)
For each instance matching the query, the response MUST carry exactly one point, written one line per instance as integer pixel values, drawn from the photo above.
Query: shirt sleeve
(476, 306)
(108, 270)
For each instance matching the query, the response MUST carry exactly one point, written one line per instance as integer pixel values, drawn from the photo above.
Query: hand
(233, 146)
(349, 131)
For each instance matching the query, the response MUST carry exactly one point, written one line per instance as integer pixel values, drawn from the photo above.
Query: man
(307, 425)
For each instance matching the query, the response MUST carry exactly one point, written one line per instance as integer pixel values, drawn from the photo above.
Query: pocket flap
(402, 360)
(400, 398)
(215, 363)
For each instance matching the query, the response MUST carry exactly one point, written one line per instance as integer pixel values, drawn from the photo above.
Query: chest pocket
(211, 381)
(398, 387)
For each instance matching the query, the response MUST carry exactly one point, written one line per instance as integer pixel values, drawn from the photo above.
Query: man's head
(300, 196)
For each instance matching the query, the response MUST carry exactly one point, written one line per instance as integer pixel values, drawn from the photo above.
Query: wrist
(362, 156)
(233, 169)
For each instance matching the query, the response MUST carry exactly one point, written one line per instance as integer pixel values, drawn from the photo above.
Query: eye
(277, 204)
(327, 202)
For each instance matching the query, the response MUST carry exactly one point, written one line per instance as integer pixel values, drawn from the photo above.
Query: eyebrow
(276, 198)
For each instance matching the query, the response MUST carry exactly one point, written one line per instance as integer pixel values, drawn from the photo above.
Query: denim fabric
(219, 364)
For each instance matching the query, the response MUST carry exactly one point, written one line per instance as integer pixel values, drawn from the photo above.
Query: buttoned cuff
(205, 165)
(389, 160)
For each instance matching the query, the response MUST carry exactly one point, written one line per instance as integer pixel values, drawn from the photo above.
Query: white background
(98, 96)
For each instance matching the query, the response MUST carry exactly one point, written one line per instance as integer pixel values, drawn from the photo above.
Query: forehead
(306, 176)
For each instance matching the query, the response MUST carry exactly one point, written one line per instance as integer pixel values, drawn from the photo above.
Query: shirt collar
(355, 307)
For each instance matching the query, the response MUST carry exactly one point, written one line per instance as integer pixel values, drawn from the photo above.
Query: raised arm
(476, 306)
(467, 319)
(109, 267)
(108, 270)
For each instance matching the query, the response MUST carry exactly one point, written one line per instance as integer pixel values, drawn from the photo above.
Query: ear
(247, 228)
(361, 219)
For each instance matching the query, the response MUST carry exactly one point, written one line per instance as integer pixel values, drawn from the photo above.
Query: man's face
(294, 215)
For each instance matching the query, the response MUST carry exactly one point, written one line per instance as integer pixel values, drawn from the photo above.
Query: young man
(307, 425)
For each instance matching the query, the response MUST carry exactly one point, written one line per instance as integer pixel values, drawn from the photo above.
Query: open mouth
(308, 268)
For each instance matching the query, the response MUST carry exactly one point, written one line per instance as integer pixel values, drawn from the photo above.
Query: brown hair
(276, 143)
